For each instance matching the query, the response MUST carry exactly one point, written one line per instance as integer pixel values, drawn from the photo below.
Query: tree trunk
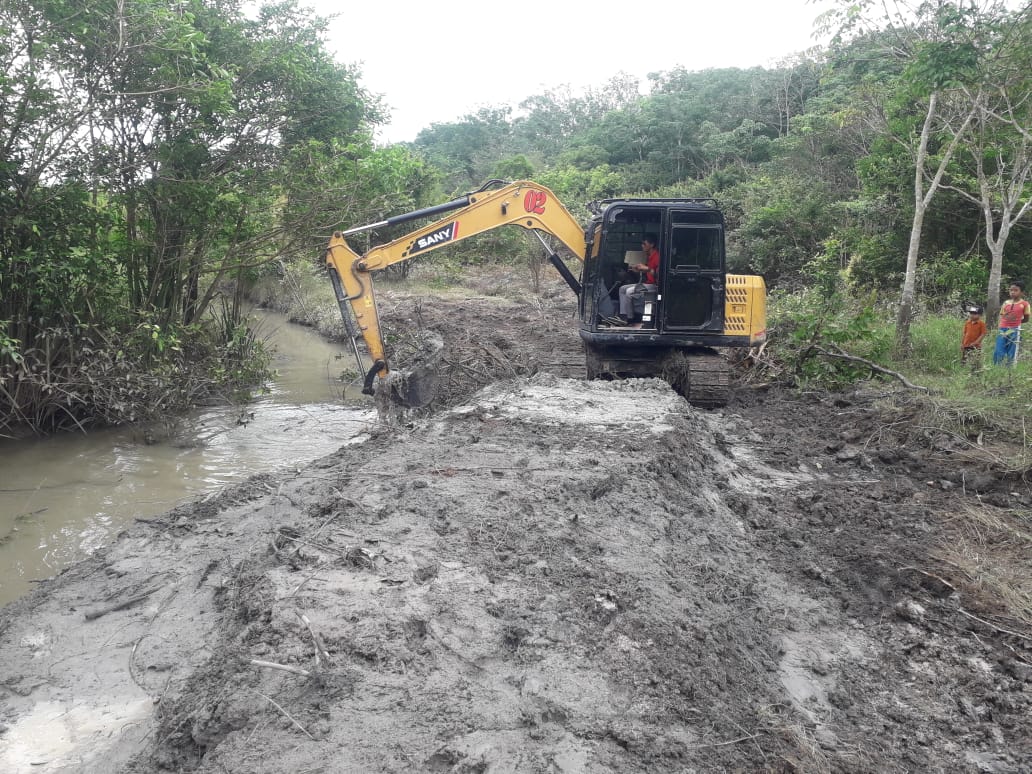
(992, 307)
(905, 314)
(996, 240)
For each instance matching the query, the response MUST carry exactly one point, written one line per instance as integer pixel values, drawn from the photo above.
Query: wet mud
(552, 575)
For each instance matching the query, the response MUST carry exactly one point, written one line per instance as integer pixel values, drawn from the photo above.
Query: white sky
(437, 61)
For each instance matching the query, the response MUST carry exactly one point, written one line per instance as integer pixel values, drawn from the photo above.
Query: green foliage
(951, 279)
(748, 143)
(238, 360)
(576, 187)
(467, 150)
(802, 322)
(784, 226)
(182, 149)
(10, 349)
(515, 168)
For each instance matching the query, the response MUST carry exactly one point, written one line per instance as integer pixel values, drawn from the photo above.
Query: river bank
(65, 496)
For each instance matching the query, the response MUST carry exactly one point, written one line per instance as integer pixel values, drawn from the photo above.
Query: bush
(803, 323)
(81, 376)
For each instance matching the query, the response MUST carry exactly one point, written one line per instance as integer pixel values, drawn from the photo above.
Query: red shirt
(1013, 313)
(653, 263)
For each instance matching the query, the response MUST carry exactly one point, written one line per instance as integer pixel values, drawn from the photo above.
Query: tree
(467, 149)
(148, 149)
(940, 53)
(997, 163)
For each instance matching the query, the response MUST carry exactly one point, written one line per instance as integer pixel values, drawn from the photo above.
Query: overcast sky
(437, 61)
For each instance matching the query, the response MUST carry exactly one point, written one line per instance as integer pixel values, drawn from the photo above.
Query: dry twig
(93, 614)
(286, 714)
(282, 667)
(320, 648)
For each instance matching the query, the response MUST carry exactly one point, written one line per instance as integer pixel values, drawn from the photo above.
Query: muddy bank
(554, 576)
(64, 496)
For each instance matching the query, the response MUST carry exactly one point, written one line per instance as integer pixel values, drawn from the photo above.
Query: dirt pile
(555, 576)
(482, 339)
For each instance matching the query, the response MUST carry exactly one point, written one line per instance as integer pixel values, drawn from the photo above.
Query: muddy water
(62, 498)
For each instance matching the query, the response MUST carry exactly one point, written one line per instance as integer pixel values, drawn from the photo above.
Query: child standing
(1013, 313)
(971, 338)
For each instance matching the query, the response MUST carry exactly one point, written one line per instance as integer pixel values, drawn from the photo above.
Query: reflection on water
(63, 497)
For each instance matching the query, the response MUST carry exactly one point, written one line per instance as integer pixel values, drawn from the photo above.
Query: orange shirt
(973, 331)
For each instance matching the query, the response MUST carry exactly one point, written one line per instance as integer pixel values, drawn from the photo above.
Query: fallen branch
(93, 614)
(839, 354)
(282, 667)
(302, 584)
(320, 648)
(999, 629)
(933, 576)
(723, 744)
(152, 522)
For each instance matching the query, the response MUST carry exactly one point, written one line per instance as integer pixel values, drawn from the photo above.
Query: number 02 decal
(534, 202)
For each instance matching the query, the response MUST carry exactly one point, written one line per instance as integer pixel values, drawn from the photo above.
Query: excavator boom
(521, 203)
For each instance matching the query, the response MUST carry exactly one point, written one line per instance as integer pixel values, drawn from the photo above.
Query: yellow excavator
(681, 320)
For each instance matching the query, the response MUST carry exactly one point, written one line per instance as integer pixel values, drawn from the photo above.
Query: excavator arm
(522, 203)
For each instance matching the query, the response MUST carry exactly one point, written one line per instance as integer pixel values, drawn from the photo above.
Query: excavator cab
(697, 309)
(690, 295)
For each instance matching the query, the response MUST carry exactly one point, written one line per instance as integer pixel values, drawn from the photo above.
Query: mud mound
(485, 339)
(555, 575)
(533, 590)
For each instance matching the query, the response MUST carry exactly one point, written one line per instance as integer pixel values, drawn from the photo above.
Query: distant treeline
(814, 160)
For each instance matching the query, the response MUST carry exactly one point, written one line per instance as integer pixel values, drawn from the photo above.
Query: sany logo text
(445, 234)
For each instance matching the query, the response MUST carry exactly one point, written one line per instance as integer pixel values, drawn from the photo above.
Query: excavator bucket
(417, 384)
(413, 388)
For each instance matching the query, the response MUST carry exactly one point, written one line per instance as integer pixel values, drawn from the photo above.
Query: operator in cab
(651, 269)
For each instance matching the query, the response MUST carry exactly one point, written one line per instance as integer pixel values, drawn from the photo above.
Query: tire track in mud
(556, 576)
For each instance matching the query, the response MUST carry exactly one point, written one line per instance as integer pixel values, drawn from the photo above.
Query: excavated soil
(553, 575)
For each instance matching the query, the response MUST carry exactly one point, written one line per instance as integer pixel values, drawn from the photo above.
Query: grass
(991, 548)
(996, 396)
(963, 398)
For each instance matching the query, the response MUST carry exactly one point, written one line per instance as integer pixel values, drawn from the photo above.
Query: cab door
(693, 290)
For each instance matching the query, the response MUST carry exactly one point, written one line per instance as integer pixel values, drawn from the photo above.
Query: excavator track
(701, 376)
